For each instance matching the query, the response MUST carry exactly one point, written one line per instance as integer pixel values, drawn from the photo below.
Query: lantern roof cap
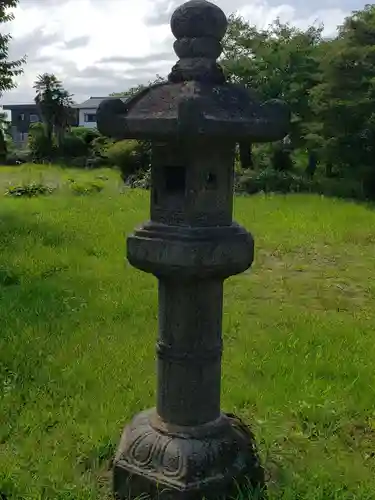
(196, 100)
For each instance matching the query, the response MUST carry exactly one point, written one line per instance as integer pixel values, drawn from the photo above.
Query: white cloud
(262, 14)
(72, 38)
(114, 27)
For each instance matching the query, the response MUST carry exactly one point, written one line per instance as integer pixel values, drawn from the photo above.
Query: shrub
(38, 143)
(270, 180)
(100, 146)
(262, 154)
(76, 143)
(87, 135)
(18, 157)
(29, 190)
(300, 158)
(95, 162)
(78, 162)
(368, 176)
(142, 180)
(86, 188)
(340, 188)
(72, 146)
(129, 156)
(282, 160)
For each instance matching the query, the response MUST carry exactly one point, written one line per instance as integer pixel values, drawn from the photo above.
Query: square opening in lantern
(175, 180)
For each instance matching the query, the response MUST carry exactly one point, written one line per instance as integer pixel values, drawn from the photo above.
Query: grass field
(78, 327)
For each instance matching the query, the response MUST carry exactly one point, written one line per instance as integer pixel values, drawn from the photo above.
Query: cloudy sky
(100, 46)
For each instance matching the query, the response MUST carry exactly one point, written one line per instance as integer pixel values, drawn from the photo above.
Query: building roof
(93, 102)
(28, 105)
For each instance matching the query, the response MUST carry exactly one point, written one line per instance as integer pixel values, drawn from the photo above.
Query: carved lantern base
(211, 461)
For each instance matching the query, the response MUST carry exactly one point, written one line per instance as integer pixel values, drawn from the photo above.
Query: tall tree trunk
(48, 130)
(60, 133)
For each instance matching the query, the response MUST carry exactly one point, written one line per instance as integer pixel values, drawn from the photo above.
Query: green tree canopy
(329, 84)
(8, 69)
(279, 62)
(345, 99)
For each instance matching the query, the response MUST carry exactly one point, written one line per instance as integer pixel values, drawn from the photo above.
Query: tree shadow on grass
(13, 228)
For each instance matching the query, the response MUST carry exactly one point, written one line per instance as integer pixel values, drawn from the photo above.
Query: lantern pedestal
(164, 461)
(186, 447)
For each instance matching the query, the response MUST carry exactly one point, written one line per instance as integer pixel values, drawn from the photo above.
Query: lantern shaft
(189, 351)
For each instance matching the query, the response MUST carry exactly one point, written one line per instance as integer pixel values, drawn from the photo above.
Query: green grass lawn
(78, 327)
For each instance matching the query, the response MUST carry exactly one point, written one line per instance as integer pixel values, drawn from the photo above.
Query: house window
(90, 117)
(34, 118)
(22, 117)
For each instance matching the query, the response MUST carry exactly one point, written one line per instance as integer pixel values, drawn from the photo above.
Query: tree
(8, 69)
(279, 62)
(329, 85)
(55, 105)
(345, 99)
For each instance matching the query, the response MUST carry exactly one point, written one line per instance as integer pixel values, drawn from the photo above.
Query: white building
(87, 111)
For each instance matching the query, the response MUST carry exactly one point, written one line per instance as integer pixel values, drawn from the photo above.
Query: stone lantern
(186, 447)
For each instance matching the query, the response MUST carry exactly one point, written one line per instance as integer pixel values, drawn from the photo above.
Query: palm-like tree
(64, 114)
(55, 105)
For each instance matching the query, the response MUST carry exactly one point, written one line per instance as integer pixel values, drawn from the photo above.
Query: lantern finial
(199, 26)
